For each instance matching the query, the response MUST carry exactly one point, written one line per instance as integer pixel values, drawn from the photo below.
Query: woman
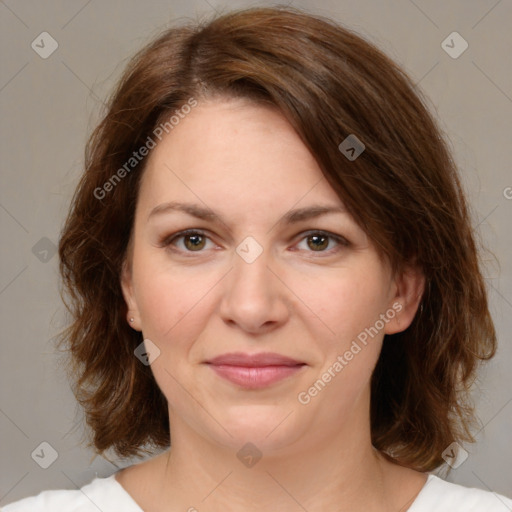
(271, 269)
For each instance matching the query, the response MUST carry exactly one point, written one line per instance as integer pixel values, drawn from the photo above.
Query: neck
(336, 472)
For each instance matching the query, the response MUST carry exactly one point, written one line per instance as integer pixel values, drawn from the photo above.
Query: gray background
(50, 105)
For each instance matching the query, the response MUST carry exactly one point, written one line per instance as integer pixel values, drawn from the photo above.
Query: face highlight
(241, 246)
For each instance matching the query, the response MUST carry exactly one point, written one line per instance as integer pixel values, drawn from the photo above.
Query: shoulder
(442, 496)
(104, 494)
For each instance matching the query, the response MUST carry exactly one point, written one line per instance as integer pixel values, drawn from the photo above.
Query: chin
(268, 427)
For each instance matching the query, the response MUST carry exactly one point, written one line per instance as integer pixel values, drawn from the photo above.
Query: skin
(301, 299)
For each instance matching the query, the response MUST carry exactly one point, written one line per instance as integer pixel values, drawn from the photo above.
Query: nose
(254, 299)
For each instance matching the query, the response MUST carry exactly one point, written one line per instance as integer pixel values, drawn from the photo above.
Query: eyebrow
(200, 212)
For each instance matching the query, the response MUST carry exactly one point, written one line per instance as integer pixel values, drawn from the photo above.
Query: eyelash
(168, 241)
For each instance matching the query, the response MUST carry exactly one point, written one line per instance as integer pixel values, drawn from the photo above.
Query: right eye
(191, 240)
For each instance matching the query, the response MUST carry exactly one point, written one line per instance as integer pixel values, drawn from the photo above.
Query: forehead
(228, 149)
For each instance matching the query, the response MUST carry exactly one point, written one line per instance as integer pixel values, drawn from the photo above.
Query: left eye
(319, 241)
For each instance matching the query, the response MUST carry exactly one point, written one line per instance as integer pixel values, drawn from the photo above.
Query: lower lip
(257, 377)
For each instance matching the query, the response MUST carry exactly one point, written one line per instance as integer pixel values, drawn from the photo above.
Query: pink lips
(254, 371)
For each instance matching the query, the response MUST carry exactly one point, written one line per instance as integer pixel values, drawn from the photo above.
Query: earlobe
(132, 315)
(410, 285)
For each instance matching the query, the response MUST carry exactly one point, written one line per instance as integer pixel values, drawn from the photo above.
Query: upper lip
(253, 360)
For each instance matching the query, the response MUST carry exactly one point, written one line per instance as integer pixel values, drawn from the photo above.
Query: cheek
(351, 307)
(344, 301)
(173, 303)
(173, 310)
(356, 301)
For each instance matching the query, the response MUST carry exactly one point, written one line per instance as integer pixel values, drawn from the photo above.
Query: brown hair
(403, 190)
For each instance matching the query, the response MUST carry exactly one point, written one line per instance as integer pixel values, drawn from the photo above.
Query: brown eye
(322, 242)
(318, 242)
(194, 242)
(187, 241)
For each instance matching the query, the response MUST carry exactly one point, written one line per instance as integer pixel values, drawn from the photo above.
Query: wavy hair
(403, 190)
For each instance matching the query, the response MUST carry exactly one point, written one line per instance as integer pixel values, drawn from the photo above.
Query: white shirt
(108, 495)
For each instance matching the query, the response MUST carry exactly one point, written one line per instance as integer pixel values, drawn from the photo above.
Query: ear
(132, 315)
(408, 291)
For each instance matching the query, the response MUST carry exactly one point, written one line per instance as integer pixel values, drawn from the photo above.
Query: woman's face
(267, 274)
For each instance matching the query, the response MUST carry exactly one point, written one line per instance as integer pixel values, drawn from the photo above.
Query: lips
(254, 360)
(253, 371)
